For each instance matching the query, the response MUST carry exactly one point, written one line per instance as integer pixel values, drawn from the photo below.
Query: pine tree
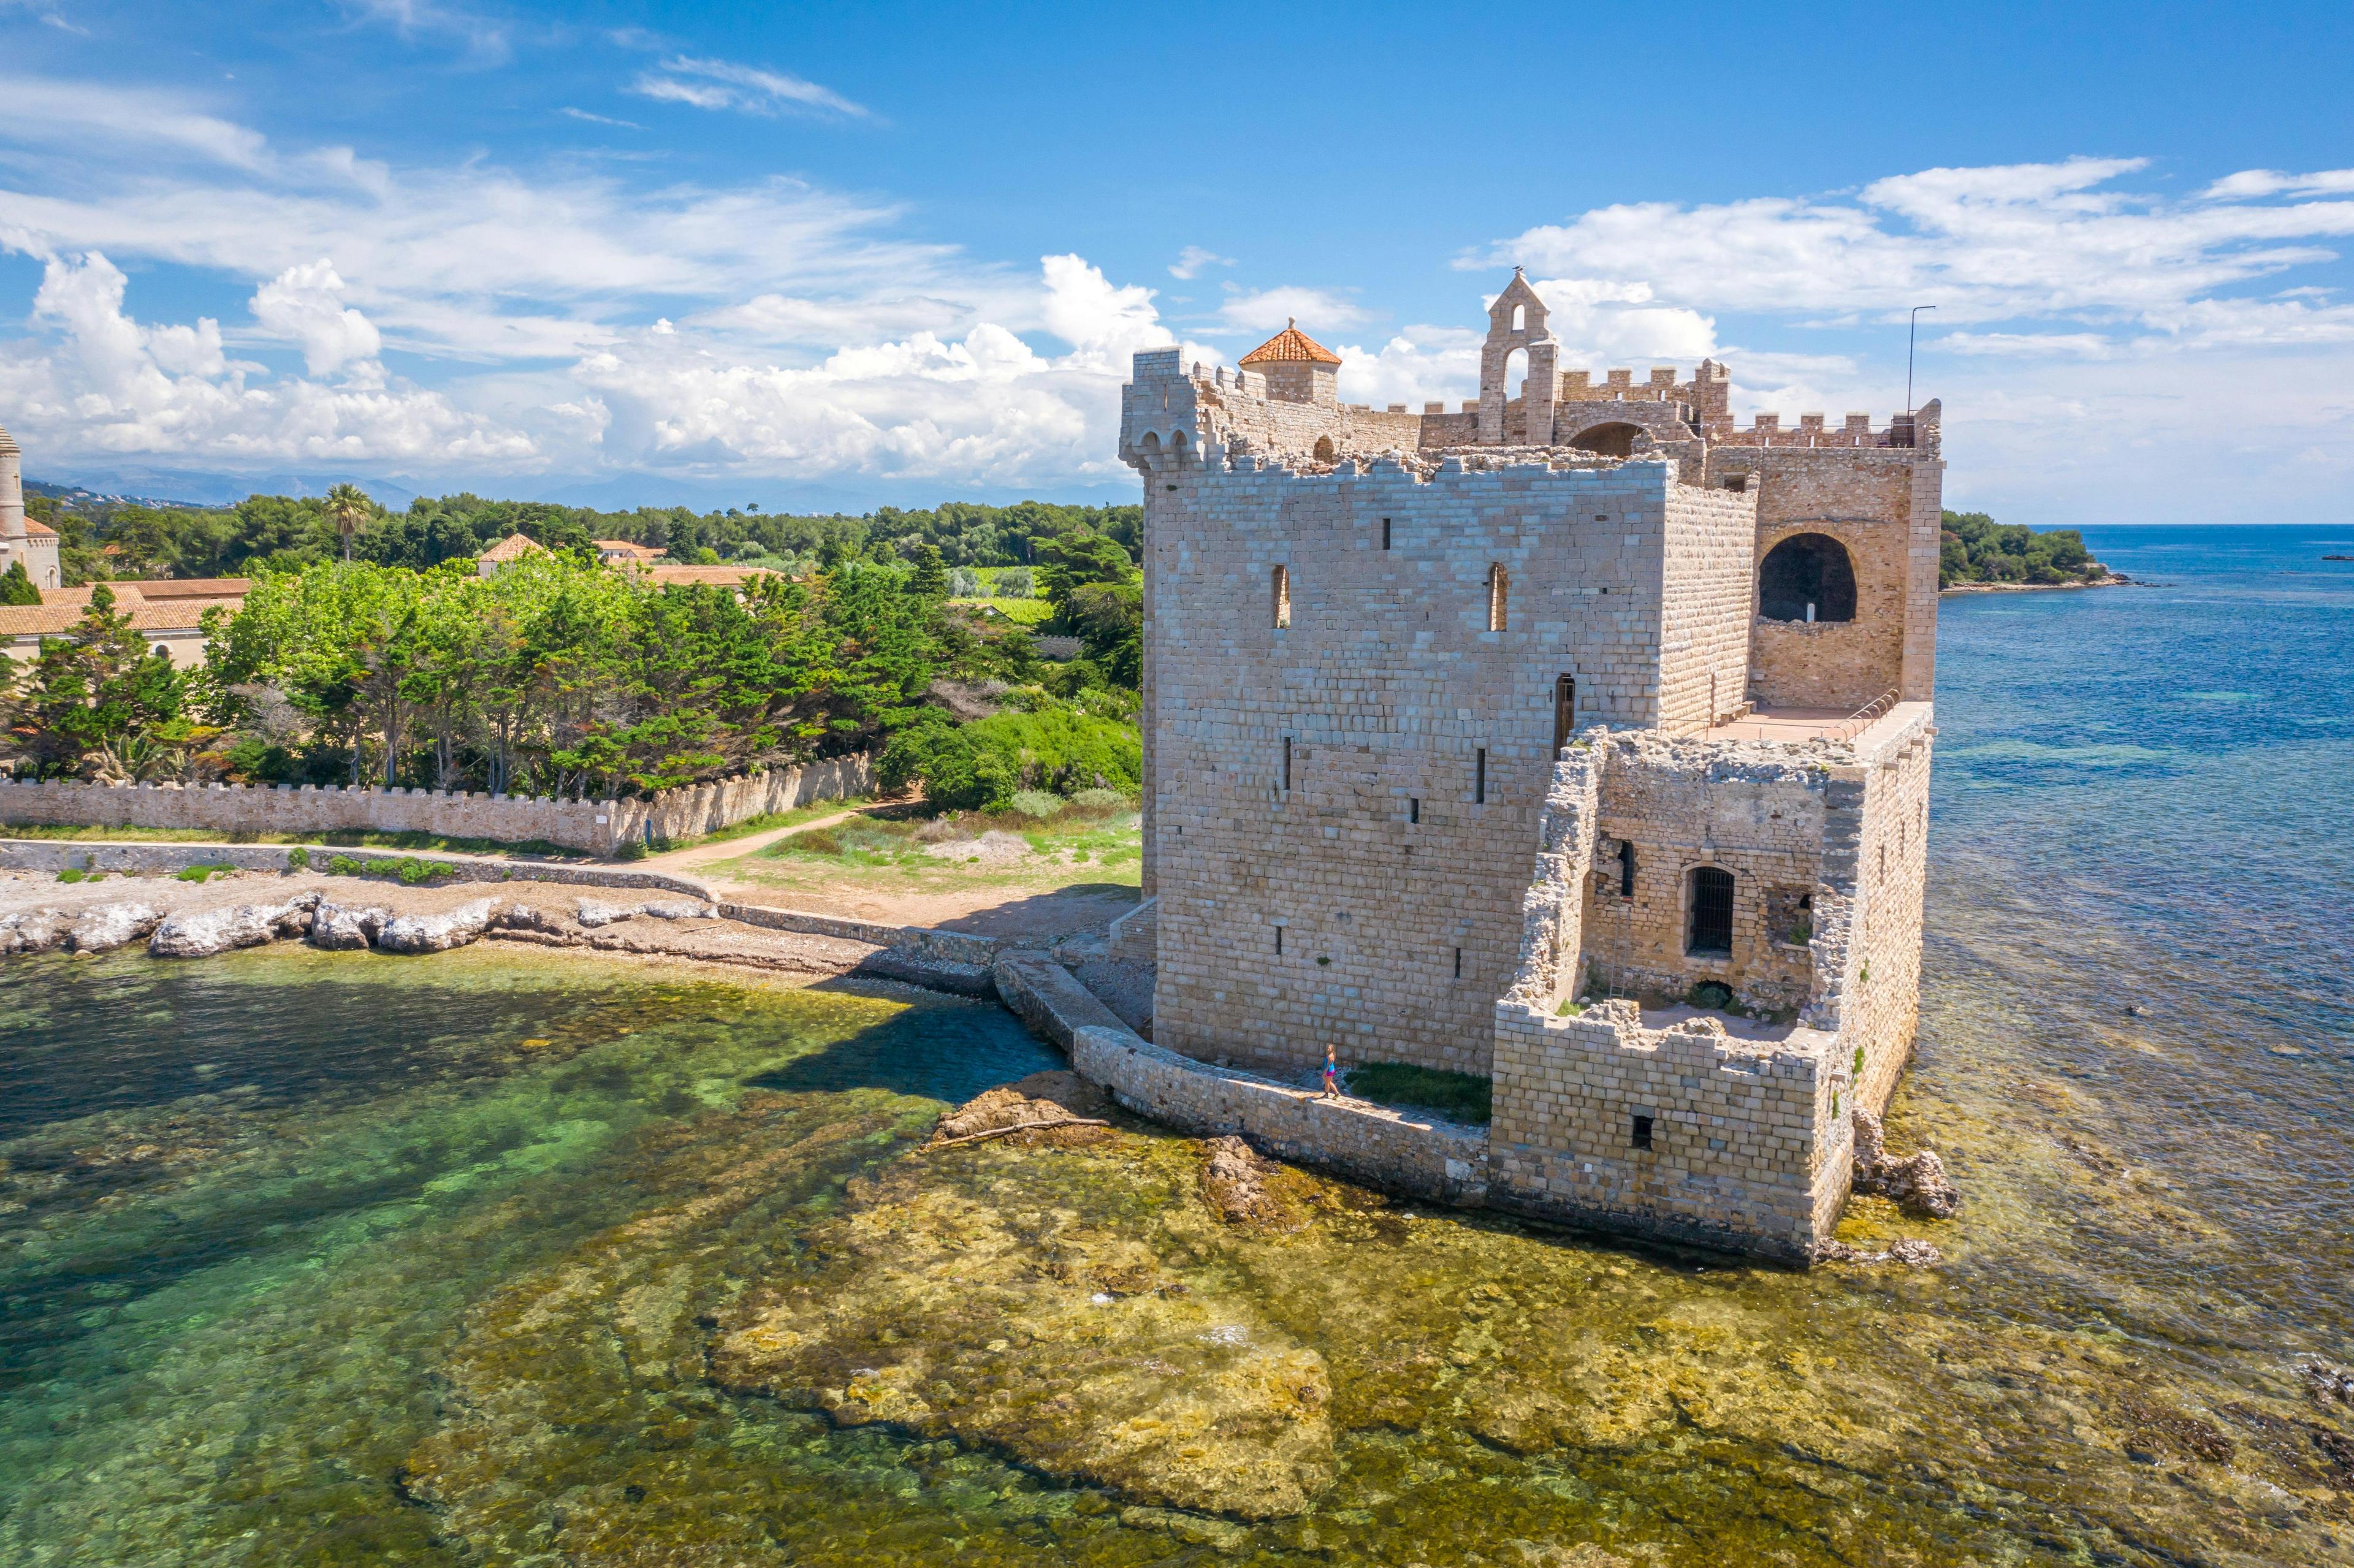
(931, 578)
(16, 586)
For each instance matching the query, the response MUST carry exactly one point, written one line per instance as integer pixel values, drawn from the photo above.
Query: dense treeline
(557, 675)
(278, 533)
(1978, 549)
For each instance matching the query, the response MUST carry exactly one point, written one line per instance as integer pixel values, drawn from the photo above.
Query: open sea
(312, 1259)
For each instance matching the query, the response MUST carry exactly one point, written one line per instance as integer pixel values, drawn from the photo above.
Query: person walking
(1331, 1074)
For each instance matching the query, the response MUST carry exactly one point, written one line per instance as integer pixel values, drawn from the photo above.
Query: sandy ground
(1046, 914)
(705, 940)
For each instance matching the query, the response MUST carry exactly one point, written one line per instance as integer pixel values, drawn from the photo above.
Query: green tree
(97, 704)
(350, 508)
(16, 585)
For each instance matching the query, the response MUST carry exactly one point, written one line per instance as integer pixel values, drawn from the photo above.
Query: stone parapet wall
(596, 827)
(1738, 1129)
(1437, 1160)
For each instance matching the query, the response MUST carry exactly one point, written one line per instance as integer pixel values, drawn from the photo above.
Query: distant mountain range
(619, 493)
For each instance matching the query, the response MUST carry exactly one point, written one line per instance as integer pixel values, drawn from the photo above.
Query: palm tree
(348, 504)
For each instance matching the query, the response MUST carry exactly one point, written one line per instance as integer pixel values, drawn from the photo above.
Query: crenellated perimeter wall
(596, 827)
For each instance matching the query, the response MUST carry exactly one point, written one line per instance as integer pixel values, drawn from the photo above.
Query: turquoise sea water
(334, 1258)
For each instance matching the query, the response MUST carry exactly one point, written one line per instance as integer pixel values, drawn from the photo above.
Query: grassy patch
(1457, 1096)
(200, 872)
(907, 849)
(1020, 612)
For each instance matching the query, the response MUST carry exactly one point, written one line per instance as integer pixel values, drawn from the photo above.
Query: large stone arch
(1611, 437)
(1853, 651)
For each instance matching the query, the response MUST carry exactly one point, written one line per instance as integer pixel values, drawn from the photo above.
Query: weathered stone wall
(1734, 1158)
(598, 827)
(1882, 504)
(1382, 862)
(1704, 608)
(1753, 809)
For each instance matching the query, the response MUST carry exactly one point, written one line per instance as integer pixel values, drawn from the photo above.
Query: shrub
(413, 871)
(1013, 582)
(1035, 803)
(200, 872)
(298, 859)
(1714, 994)
(71, 874)
(1103, 800)
(345, 865)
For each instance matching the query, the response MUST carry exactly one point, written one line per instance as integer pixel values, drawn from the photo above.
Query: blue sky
(827, 255)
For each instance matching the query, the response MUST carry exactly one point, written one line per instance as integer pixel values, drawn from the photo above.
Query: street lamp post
(1912, 331)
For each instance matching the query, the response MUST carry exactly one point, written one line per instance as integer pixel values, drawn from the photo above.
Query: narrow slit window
(1564, 712)
(1413, 810)
(1278, 941)
(1499, 587)
(1287, 762)
(1385, 532)
(1479, 778)
(1282, 597)
(1626, 869)
(1641, 1135)
(1458, 963)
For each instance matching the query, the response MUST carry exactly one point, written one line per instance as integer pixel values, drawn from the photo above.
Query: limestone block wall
(1706, 599)
(1753, 809)
(1878, 1009)
(1737, 1149)
(1883, 506)
(1391, 864)
(598, 827)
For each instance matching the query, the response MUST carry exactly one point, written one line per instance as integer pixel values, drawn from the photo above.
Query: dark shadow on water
(943, 1050)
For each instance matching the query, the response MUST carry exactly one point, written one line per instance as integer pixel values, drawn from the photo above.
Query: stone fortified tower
(1578, 739)
(22, 539)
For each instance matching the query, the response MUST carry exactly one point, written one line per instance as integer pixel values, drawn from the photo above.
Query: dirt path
(732, 849)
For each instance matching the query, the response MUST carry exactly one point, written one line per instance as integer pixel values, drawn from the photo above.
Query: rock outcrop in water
(340, 928)
(34, 931)
(593, 915)
(439, 933)
(202, 933)
(1918, 1183)
(113, 925)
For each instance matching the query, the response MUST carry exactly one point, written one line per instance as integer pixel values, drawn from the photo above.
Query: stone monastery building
(1578, 737)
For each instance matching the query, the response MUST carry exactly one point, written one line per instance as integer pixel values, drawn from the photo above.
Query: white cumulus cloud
(304, 305)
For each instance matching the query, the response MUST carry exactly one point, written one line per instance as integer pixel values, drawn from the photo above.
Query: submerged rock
(113, 925)
(439, 933)
(1910, 1251)
(340, 928)
(1059, 1108)
(34, 930)
(1919, 1183)
(201, 932)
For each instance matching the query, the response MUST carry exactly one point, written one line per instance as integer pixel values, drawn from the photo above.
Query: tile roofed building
(168, 611)
(513, 547)
(1288, 345)
(611, 550)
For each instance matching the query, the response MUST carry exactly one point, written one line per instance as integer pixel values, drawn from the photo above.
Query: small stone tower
(20, 538)
(1298, 368)
(1516, 321)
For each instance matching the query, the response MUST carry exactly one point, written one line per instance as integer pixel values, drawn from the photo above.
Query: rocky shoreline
(2114, 579)
(230, 911)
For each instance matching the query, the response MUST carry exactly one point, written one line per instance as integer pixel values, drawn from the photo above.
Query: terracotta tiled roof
(628, 548)
(1291, 344)
(39, 530)
(159, 590)
(57, 619)
(514, 547)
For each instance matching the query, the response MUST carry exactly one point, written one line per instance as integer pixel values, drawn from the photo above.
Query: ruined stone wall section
(1880, 1014)
(1735, 1129)
(1753, 809)
(1380, 863)
(596, 827)
(1553, 908)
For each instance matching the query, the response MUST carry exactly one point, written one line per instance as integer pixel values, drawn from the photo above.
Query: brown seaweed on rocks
(1918, 1184)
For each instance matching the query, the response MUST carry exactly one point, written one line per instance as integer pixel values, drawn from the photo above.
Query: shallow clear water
(316, 1257)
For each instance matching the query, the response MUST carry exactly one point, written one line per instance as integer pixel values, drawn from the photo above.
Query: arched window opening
(1806, 577)
(1519, 318)
(1500, 585)
(1711, 934)
(1324, 448)
(1626, 869)
(1616, 440)
(1282, 598)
